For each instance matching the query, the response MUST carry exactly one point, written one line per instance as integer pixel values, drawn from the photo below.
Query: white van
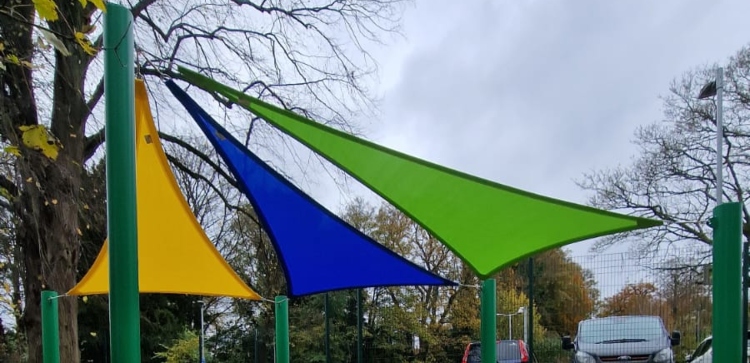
(704, 352)
(631, 338)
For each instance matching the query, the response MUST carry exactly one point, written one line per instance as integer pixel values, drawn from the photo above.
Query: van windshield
(613, 330)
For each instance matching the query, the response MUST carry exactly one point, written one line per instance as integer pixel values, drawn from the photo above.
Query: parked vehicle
(632, 338)
(704, 352)
(508, 351)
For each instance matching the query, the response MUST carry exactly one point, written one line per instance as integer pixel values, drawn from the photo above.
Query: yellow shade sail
(174, 253)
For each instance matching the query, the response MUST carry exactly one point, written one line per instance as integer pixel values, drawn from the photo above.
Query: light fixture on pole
(510, 324)
(201, 356)
(521, 310)
(729, 278)
(716, 88)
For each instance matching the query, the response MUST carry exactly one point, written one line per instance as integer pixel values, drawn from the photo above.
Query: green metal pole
(119, 91)
(50, 328)
(489, 321)
(282, 329)
(727, 289)
(359, 325)
(745, 261)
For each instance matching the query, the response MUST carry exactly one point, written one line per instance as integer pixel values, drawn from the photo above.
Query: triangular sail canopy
(174, 253)
(487, 224)
(319, 252)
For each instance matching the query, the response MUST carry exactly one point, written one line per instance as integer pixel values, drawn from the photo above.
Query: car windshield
(620, 330)
(506, 350)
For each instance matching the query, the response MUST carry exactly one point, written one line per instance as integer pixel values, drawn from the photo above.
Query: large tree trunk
(50, 258)
(49, 238)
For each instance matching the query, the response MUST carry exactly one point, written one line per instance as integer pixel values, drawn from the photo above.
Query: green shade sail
(486, 224)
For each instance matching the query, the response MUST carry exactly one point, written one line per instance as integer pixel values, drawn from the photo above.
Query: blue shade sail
(319, 252)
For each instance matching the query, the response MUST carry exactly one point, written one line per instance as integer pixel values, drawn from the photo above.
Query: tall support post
(719, 135)
(282, 329)
(359, 325)
(727, 280)
(327, 328)
(525, 324)
(728, 310)
(119, 92)
(510, 326)
(530, 309)
(745, 286)
(489, 321)
(202, 341)
(50, 328)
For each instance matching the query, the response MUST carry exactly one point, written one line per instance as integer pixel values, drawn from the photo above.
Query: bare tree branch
(673, 178)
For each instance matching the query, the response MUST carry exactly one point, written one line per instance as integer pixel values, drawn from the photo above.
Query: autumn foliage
(634, 299)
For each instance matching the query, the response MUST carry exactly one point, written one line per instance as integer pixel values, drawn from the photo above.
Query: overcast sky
(534, 93)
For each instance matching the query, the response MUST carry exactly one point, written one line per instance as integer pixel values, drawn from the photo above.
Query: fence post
(359, 325)
(326, 308)
(255, 346)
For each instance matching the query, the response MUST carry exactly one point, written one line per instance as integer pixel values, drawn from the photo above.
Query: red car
(508, 351)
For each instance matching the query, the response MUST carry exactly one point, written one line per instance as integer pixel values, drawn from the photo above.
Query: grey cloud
(534, 93)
